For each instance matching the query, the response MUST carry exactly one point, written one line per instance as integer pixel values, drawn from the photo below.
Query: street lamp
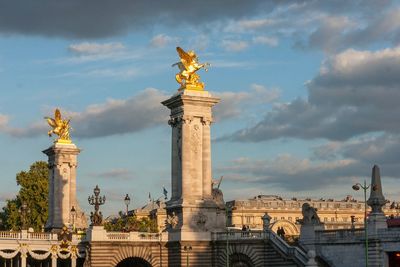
(73, 214)
(96, 200)
(187, 249)
(127, 201)
(365, 187)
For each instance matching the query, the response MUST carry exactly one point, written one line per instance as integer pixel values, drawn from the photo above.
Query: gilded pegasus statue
(188, 66)
(60, 127)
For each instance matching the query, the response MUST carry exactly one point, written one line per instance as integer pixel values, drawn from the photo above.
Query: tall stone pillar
(62, 187)
(192, 208)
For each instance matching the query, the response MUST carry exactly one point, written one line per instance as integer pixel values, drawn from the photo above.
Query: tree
(131, 223)
(34, 193)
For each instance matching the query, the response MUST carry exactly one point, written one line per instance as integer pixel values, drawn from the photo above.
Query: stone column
(62, 186)
(192, 208)
(73, 260)
(207, 172)
(54, 260)
(24, 255)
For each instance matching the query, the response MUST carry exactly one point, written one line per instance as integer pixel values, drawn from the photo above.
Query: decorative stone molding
(172, 220)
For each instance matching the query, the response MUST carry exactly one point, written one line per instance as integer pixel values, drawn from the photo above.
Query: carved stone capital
(206, 121)
(186, 119)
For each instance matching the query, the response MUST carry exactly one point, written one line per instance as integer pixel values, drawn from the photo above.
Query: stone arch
(139, 252)
(133, 262)
(290, 227)
(247, 251)
(240, 260)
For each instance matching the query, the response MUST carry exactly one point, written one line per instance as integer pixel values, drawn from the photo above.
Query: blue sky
(309, 92)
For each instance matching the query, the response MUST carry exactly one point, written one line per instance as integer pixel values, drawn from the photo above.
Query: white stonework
(62, 187)
(191, 200)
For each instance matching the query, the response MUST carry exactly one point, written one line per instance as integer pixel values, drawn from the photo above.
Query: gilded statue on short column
(60, 127)
(188, 66)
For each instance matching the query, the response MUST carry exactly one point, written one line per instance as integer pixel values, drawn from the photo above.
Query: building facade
(334, 214)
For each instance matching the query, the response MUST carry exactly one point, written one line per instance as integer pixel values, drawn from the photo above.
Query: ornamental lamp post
(73, 214)
(127, 201)
(187, 249)
(365, 187)
(96, 201)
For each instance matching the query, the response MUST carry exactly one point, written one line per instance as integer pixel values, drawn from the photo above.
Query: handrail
(291, 251)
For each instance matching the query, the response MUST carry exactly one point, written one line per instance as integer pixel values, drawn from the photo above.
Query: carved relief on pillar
(199, 221)
(195, 139)
(172, 220)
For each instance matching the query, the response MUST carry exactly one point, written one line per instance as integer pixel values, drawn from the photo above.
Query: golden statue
(60, 127)
(189, 65)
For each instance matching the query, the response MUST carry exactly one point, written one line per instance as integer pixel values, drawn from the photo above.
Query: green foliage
(131, 223)
(34, 192)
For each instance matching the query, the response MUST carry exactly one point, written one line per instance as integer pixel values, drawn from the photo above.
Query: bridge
(101, 248)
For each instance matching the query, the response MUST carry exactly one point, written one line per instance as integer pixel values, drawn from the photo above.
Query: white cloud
(162, 40)
(265, 40)
(114, 73)
(87, 48)
(255, 23)
(234, 46)
(355, 93)
(243, 26)
(289, 172)
(232, 102)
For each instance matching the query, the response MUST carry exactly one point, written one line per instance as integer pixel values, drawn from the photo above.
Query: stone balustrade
(25, 235)
(339, 235)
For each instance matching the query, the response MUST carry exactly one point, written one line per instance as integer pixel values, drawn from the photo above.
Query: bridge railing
(389, 234)
(25, 235)
(339, 235)
(238, 235)
(131, 236)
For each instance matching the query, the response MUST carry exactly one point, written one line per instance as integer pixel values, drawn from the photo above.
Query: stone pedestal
(62, 187)
(307, 234)
(192, 208)
(376, 219)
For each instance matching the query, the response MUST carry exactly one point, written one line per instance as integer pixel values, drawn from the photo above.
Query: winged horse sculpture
(188, 66)
(59, 126)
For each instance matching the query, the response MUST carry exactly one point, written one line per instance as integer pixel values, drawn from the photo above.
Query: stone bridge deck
(254, 248)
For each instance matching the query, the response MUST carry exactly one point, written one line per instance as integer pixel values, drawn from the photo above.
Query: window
(275, 218)
(332, 219)
(282, 218)
(325, 219)
(344, 219)
(290, 218)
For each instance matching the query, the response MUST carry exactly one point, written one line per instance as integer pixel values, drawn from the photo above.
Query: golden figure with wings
(60, 127)
(188, 66)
